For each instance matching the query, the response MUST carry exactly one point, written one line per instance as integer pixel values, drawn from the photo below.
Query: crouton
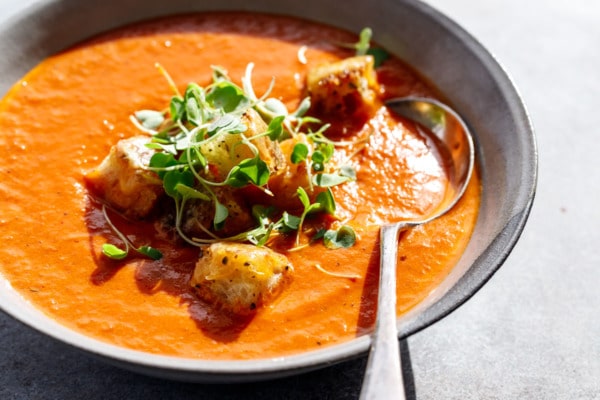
(240, 278)
(226, 151)
(346, 88)
(122, 181)
(291, 177)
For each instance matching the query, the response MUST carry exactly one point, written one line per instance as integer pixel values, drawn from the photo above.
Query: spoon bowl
(383, 376)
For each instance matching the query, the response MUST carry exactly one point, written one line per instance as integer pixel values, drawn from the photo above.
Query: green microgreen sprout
(363, 47)
(364, 41)
(299, 153)
(343, 237)
(181, 134)
(324, 203)
(116, 253)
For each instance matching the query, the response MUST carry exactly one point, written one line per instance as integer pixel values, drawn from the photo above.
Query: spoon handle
(383, 377)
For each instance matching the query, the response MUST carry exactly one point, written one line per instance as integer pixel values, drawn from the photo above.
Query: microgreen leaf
(228, 123)
(290, 222)
(318, 157)
(364, 41)
(348, 171)
(363, 47)
(112, 251)
(227, 96)
(256, 170)
(192, 109)
(299, 153)
(303, 196)
(192, 158)
(327, 150)
(150, 252)
(251, 170)
(167, 148)
(260, 235)
(327, 202)
(150, 119)
(275, 128)
(194, 91)
(329, 180)
(344, 237)
(276, 107)
(219, 73)
(190, 193)
(302, 108)
(319, 235)
(177, 109)
(173, 179)
(379, 55)
(262, 213)
(160, 161)
(221, 214)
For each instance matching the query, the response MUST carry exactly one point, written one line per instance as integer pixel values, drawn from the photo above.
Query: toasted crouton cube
(346, 88)
(123, 182)
(240, 277)
(227, 151)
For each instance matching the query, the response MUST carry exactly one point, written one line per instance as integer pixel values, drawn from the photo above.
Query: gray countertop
(533, 332)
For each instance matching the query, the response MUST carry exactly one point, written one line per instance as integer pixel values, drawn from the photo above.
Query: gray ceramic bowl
(454, 61)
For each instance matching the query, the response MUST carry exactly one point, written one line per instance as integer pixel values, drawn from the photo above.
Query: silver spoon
(383, 376)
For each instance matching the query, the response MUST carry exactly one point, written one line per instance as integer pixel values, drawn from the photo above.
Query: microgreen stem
(169, 79)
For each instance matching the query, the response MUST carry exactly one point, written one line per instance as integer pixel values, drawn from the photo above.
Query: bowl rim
(200, 370)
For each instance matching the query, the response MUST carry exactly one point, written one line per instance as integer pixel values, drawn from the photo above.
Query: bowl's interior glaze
(457, 64)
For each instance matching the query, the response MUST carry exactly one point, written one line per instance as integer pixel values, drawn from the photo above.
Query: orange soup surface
(61, 120)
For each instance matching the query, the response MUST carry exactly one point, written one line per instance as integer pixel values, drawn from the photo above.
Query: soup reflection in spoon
(383, 377)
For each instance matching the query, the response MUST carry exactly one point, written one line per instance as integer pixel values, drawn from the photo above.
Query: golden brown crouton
(226, 151)
(240, 277)
(122, 181)
(346, 88)
(291, 177)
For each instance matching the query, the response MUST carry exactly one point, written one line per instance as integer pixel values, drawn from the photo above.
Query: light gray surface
(532, 332)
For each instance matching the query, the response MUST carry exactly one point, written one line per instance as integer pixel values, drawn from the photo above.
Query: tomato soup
(62, 118)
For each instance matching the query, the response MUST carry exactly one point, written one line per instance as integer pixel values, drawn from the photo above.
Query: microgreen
(182, 135)
(363, 47)
(190, 193)
(348, 171)
(299, 153)
(379, 55)
(326, 201)
(228, 123)
(116, 253)
(177, 108)
(227, 96)
(308, 208)
(249, 171)
(290, 222)
(343, 237)
(150, 119)
(275, 128)
(221, 214)
(364, 42)
(112, 251)
(329, 180)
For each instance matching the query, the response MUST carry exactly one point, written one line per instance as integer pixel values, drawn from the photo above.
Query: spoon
(383, 376)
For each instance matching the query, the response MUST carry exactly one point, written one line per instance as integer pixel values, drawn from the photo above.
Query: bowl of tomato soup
(69, 91)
